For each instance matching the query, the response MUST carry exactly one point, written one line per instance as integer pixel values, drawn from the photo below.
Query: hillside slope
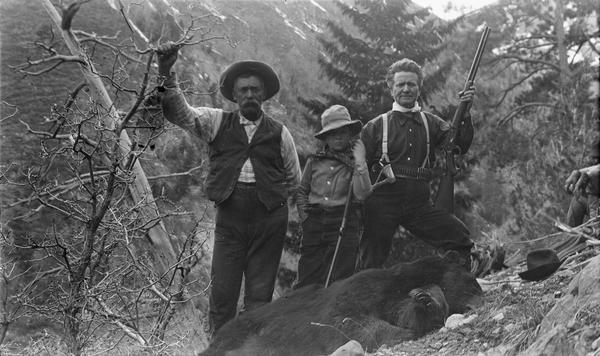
(282, 34)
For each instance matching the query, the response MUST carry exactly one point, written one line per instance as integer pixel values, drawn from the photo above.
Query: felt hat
(335, 117)
(540, 264)
(260, 69)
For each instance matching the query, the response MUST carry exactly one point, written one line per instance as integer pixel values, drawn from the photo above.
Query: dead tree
(95, 270)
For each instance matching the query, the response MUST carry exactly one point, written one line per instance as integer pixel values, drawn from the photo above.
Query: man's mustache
(250, 103)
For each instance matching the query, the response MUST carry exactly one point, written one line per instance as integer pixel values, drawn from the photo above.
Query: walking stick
(341, 231)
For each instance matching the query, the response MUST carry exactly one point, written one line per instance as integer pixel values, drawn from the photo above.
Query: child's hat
(335, 117)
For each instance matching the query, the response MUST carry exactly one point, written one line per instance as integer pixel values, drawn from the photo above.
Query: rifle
(445, 195)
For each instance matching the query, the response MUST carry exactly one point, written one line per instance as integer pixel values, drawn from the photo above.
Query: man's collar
(245, 121)
(407, 114)
(398, 107)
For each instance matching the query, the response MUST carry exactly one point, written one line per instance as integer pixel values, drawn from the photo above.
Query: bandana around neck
(344, 157)
(398, 107)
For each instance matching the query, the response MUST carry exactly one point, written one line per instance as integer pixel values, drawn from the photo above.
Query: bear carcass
(374, 307)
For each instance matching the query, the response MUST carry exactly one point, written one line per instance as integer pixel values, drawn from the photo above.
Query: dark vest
(230, 149)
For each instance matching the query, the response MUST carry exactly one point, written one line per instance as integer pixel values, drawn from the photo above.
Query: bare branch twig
(519, 109)
(11, 114)
(58, 58)
(126, 329)
(171, 175)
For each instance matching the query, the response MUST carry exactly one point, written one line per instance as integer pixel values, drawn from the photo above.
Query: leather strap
(424, 118)
(384, 139)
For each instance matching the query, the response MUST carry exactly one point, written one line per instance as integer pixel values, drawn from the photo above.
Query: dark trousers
(248, 242)
(407, 203)
(320, 232)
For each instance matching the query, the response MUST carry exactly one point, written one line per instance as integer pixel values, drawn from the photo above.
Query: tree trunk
(3, 293)
(560, 41)
(71, 328)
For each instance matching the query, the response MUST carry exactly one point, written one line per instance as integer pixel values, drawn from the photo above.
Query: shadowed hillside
(279, 33)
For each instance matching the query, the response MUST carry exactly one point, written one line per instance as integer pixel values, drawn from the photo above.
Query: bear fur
(374, 307)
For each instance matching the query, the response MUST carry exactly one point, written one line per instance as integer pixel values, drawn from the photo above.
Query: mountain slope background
(507, 197)
(279, 33)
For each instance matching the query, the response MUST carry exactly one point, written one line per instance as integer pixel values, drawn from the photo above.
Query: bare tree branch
(91, 174)
(4, 266)
(171, 175)
(140, 95)
(11, 115)
(530, 60)
(593, 46)
(92, 37)
(530, 37)
(58, 58)
(521, 108)
(70, 137)
(513, 86)
(127, 330)
(68, 12)
(58, 189)
(185, 40)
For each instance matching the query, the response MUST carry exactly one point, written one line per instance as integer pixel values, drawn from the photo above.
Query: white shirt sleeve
(291, 163)
(203, 122)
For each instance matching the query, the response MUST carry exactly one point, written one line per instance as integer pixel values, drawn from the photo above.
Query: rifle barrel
(477, 58)
(462, 107)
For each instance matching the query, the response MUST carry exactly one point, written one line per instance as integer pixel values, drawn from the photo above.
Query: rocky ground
(519, 316)
(556, 316)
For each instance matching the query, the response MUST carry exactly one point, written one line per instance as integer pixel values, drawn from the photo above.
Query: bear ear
(452, 256)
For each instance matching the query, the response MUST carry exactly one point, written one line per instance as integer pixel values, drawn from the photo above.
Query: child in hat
(333, 183)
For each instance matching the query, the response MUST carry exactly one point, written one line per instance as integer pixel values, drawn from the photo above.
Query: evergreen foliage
(531, 130)
(537, 118)
(357, 61)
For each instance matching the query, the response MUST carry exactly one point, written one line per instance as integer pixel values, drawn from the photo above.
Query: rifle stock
(445, 195)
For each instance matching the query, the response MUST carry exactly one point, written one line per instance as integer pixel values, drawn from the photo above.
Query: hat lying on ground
(335, 117)
(540, 264)
(260, 69)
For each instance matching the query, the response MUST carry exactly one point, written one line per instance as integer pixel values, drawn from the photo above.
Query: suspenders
(384, 140)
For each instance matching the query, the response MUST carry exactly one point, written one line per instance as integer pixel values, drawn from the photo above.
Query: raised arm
(361, 187)
(203, 122)
(463, 136)
(464, 131)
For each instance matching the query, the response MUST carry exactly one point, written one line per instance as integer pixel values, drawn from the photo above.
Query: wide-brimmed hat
(260, 69)
(540, 264)
(335, 117)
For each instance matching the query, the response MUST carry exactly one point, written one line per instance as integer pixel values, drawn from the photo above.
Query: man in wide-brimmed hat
(253, 166)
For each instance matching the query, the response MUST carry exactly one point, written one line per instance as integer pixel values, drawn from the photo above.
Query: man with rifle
(400, 147)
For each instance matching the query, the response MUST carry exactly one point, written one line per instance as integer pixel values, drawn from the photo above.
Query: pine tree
(535, 118)
(357, 62)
